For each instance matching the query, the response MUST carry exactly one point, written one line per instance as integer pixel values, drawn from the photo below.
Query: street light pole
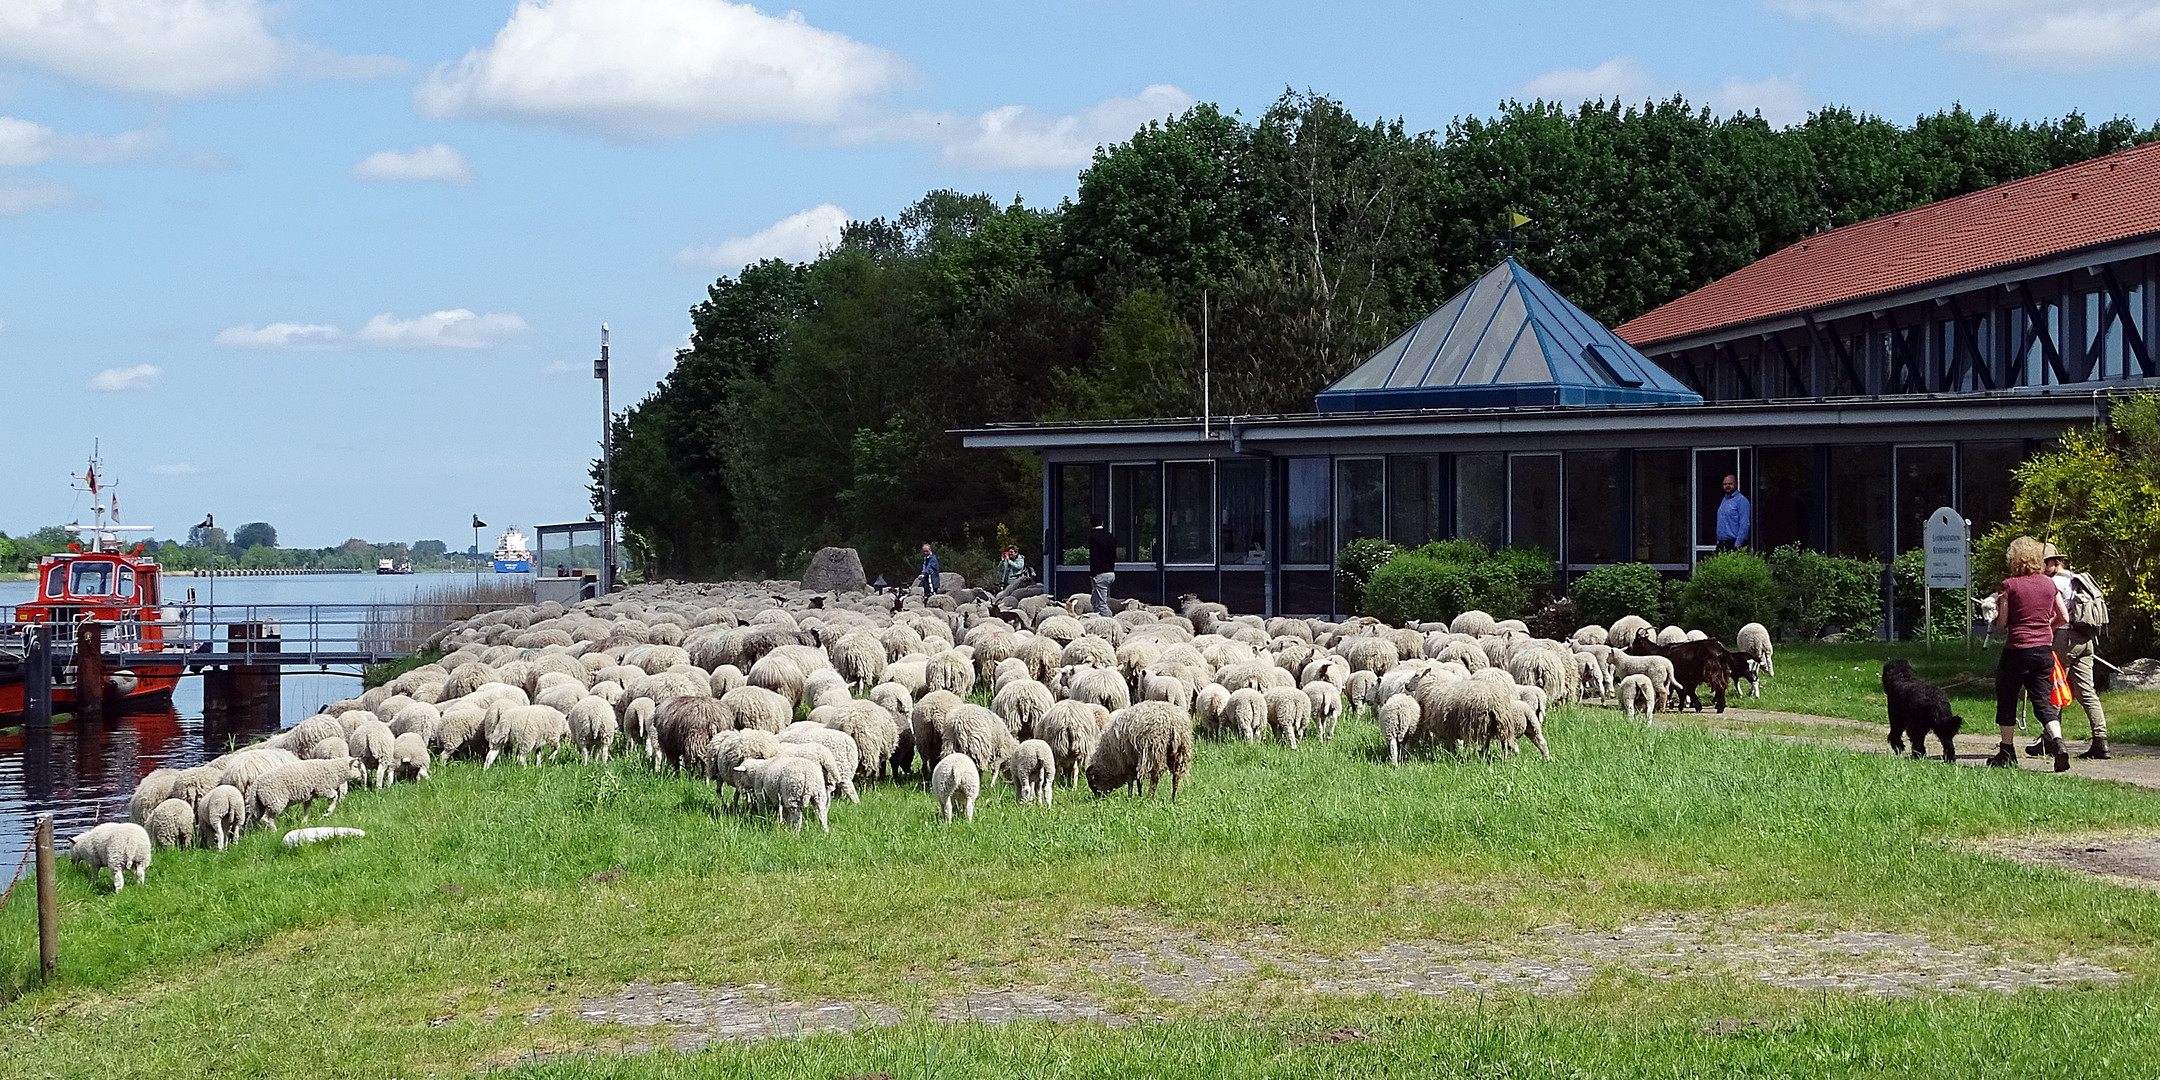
(607, 470)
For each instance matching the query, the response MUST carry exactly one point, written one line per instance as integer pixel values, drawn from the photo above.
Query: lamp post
(607, 470)
(477, 525)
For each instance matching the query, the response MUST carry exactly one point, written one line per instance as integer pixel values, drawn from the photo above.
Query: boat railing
(288, 635)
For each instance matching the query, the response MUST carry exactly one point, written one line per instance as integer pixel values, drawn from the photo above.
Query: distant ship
(512, 556)
(386, 566)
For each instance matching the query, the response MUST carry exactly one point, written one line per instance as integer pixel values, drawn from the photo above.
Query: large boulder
(2138, 675)
(835, 570)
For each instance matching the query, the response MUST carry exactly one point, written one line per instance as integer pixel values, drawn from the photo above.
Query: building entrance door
(1712, 466)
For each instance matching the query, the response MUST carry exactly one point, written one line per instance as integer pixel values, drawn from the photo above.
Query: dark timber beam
(1827, 341)
(2037, 327)
(2119, 305)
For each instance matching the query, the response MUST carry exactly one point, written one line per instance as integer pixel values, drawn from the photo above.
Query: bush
(1556, 620)
(1727, 592)
(1817, 592)
(1440, 581)
(1605, 594)
(1354, 567)
(1951, 619)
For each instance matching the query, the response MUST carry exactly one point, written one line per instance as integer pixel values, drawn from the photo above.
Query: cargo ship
(512, 555)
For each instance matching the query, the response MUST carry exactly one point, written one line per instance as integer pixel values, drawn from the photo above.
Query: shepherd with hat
(2077, 644)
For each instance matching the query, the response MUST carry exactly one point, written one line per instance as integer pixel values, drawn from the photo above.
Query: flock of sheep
(711, 680)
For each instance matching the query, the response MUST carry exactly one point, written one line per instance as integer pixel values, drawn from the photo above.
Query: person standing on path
(1734, 516)
(1102, 564)
(930, 578)
(2079, 647)
(2028, 613)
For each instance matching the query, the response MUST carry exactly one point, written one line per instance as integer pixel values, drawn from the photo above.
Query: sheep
(1100, 686)
(1544, 669)
(171, 824)
(1625, 630)
(1524, 719)
(845, 754)
(1637, 690)
(873, 730)
(1671, 635)
(1033, 770)
(859, 658)
(1021, 704)
(789, 785)
(242, 769)
(825, 687)
(1208, 704)
(1536, 699)
(523, 730)
(782, 676)
(1658, 668)
(1465, 711)
(731, 748)
(726, 677)
(151, 792)
(683, 727)
(1473, 622)
(1071, 729)
(893, 698)
(1374, 654)
(758, 707)
(1359, 687)
(1398, 722)
(332, 747)
(305, 734)
(1591, 672)
(1754, 646)
(421, 717)
(300, 784)
(408, 758)
(219, 815)
(115, 846)
(370, 742)
(956, 780)
(830, 771)
(592, 728)
(978, 733)
(1143, 742)
(1157, 686)
(950, 670)
(1589, 635)
(1326, 707)
(637, 726)
(1289, 713)
(1246, 714)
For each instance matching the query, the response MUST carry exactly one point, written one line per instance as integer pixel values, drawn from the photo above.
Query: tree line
(813, 402)
(252, 546)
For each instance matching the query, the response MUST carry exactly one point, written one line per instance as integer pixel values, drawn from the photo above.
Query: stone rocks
(2138, 675)
(835, 570)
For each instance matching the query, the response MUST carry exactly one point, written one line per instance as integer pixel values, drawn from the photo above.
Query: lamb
(1359, 687)
(195, 783)
(1658, 668)
(1156, 686)
(637, 725)
(1326, 707)
(1524, 719)
(370, 742)
(219, 815)
(1246, 714)
(956, 780)
(421, 717)
(927, 723)
(1208, 705)
(115, 846)
(1398, 722)
(1289, 713)
(731, 748)
(789, 785)
(846, 755)
(171, 824)
(592, 728)
(1071, 729)
(829, 770)
(1143, 742)
(1591, 672)
(408, 758)
(300, 784)
(1033, 770)
(1638, 690)
(1754, 646)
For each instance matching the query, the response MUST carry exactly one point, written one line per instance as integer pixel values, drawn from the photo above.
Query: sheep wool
(840, 748)
(978, 733)
(730, 749)
(789, 786)
(171, 824)
(1245, 714)
(1071, 730)
(300, 784)
(115, 846)
(219, 815)
(153, 790)
(1020, 704)
(408, 758)
(1398, 717)
(955, 783)
(758, 707)
(1326, 710)
(1289, 713)
(873, 730)
(332, 747)
(1142, 743)
(592, 728)
(370, 742)
(1032, 768)
(1636, 691)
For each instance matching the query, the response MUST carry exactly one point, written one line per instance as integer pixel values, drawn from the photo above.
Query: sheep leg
(119, 879)
(489, 761)
(140, 873)
(971, 808)
(823, 808)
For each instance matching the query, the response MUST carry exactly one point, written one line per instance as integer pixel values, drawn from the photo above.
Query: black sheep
(1694, 663)
(1918, 707)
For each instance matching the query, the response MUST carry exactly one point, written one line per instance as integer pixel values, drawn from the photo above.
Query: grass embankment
(474, 901)
(1846, 681)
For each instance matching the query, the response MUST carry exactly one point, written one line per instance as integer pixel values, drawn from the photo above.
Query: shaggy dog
(1918, 707)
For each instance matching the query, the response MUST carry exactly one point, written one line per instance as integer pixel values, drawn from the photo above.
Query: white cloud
(282, 335)
(23, 142)
(1781, 101)
(1018, 137)
(558, 369)
(21, 197)
(2064, 35)
(650, 68)
(438, 162)
(455, 329)
(176, 468)
(796, 238)
(1619, 78)
(174, 48)
(139, 377)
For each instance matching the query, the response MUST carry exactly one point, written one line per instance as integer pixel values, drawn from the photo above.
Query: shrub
(1441, 580)
(1817, 592)
(1727, 592)
(1951, 619)
(1354, 567)
(1605, 594)
(1556, 620)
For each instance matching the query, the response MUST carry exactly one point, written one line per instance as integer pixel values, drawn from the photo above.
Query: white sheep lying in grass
(788, 785)
(1033, 770)
(955, 782)
(1636, 691)
(118, 846)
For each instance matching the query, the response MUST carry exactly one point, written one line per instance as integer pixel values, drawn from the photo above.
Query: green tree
(255, 534)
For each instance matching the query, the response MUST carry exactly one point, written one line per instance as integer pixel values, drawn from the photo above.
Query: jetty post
(48, 901)
(90, 671)
(38, 678)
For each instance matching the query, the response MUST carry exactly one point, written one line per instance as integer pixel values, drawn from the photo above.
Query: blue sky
(341, 265)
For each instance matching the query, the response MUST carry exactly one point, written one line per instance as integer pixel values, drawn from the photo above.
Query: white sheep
(408, 758)
(371, 741)
(116, 846)
(524, 730)
(171, 824)
(1246, 714)
(1289, 713)
(1754, 644)
(1398, 722)
(1638, 691)
(1071, 728)
(1033, 770)
(956, 780)
(592, 728)
(788, 785)
(1326, 707)
(840, 748)
(219, 815)
(300, 784)
(152, 790)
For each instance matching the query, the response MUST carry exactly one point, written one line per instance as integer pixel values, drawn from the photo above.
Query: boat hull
(154, 683)
(513, 566)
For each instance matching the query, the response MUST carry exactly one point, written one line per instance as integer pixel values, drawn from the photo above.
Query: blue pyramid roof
(1507, 340)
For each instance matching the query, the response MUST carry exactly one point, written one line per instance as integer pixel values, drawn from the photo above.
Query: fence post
(90, 671)
(48, 901)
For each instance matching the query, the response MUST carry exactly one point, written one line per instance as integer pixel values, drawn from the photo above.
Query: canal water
(84, 773)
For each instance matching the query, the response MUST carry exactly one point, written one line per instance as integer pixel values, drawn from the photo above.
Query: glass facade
(1593, 508)
(1413, 500)
(1926, 478)
(1077, 507)
(1136, 510)
(1243, 526)
(1785, 497)
(1988, 487)
(1190, 488)
(1481, 502)
(1360, 500)
(1534, 501)
(1307, 528)
(1860, 502)
(1661, 507)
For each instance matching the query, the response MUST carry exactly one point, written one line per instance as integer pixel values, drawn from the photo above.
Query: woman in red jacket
(2028, 613)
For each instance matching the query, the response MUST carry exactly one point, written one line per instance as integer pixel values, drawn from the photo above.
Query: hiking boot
(2038, 747)
(2005, 757)
(2061, 754)
(2098, 751)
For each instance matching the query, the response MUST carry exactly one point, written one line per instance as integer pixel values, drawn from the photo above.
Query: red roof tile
(2101, 201)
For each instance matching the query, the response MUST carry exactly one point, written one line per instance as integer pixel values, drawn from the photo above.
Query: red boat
(112, 584)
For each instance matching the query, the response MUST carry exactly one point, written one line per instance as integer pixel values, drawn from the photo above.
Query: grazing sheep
(592, 728)
(1398, 722)
(153, 790)
(893, 698)
(758, 707)
(875, 734)
(1591, 672)
(927, 722)
(1246, 714)
(782, 676)
(1071, 729)
(1020, 704)
(1143, 742)
(332, 747)
(683, 727)
(860, 658)
(1099, 686)
(637, 726)
(408, 758)
(1637, 690)
(300, 784)
(839, 746)
(1359, 687)
(421, 717)
(305, 734)
(829, 769)
(219, 815)
(956, 780)
(1546, 670)
(524, 730)
(1289, 713)
(825, 687)
(1326, 707)
(731, 748)
(171, 824)
(978, 733)
(115, 846)
(1208, 704)
(241, 770)
(1032, 768)
(788, 785)
(1524, 720)
(950, 670)
(1589, 635)
(1658, 668)
(1754, 644)
(370, 741)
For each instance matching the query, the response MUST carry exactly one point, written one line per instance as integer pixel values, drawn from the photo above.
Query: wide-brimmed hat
(2047, 551)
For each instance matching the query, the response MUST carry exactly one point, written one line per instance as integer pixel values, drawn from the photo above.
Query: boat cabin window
(91, 579)
(56, 580)
(126, 591)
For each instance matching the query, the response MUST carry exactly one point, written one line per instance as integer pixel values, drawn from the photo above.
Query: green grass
(472, 902)
(1846, 681)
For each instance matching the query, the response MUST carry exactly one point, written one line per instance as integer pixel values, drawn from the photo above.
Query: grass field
(1846, 681)
(479, 898)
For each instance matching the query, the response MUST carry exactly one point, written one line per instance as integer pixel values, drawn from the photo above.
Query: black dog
(1918, 707)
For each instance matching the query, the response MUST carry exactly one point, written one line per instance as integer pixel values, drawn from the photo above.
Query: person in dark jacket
(1102, 563)
(930, 578)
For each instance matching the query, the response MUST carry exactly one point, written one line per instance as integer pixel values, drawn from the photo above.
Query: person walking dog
(2028, 613)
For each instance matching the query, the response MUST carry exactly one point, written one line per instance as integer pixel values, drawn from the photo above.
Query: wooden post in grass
(48, 901)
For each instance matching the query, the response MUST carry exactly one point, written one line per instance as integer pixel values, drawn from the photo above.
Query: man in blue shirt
(1734, 517)
(930, 578)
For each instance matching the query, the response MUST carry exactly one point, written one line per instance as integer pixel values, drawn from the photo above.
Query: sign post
(1949, 566)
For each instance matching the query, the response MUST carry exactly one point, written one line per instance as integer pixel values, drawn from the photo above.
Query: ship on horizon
(512, 554)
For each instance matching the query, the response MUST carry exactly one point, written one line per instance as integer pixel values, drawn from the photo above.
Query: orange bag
(2059, 686)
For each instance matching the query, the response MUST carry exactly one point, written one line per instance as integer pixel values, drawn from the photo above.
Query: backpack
(2088, 604)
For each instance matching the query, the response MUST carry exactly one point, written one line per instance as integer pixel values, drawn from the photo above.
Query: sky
(341, 265)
